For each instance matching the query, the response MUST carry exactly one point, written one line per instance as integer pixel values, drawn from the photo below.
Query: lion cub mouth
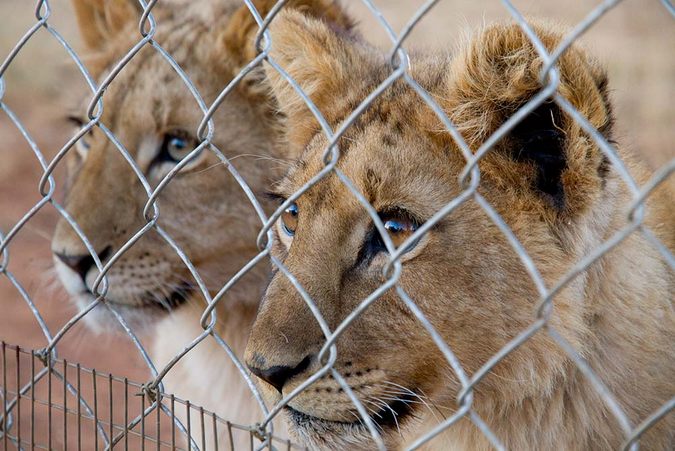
(389, 417)
(139, 315)
(151, 300)
(138, 292)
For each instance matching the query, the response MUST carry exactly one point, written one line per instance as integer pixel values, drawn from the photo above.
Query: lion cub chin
(551, 184)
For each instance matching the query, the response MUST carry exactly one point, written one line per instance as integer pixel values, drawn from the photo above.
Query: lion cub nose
(277, 376)
(81, 264)
(78, 263)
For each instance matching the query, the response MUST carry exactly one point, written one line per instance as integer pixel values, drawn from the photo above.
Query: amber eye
(289, 219)
(400, 228)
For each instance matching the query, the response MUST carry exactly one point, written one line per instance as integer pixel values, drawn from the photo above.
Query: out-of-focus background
(635, 41)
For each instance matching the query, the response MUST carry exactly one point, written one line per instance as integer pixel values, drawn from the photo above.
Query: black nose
(81, 264)
(277, 376)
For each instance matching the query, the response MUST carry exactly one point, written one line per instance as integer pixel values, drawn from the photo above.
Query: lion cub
(154, 116)
(549, 182)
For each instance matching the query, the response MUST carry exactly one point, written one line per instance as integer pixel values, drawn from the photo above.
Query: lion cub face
(154, 117)
(544, 179)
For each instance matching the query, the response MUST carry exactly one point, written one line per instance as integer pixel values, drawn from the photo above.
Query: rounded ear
(323, 61)
(296, 32)
(547, 153)
(100, 20)
(242, 28)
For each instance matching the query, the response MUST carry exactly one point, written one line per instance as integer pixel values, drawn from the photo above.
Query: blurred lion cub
(155, 117)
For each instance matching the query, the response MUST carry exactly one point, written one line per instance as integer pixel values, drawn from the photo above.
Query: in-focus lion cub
(155, 117)
(550, 183)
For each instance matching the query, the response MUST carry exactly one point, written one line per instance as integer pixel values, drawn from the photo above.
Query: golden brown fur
(203, 208)
(562, 199)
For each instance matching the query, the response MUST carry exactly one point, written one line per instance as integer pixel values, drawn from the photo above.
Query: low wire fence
(49, 403)
(66, 406)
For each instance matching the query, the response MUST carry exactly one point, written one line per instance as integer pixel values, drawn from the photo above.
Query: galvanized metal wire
(153, 422)
(120, 411)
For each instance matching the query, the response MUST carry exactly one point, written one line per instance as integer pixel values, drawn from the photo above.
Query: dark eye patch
(373, 243)
(75, 120)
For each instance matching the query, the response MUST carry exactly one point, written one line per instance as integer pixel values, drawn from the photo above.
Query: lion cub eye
(400, 228)
(176, 146)
(82, 145)
(399, 224)
(289, 219)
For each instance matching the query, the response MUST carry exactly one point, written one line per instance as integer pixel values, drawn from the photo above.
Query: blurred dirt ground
(635, 41)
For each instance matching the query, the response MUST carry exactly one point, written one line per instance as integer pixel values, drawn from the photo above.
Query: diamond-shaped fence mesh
(197, 350)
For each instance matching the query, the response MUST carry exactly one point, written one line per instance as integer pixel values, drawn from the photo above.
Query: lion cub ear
(546, 157)
(100, 20)
(300, 23)
(322, 60)
(240, 32)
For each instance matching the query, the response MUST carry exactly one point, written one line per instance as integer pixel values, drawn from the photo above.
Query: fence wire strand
(158, 409)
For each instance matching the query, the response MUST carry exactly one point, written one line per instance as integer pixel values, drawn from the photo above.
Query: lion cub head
(150, 117)
(547, 179)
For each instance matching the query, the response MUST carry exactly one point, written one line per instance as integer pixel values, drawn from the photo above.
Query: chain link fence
(49, 403)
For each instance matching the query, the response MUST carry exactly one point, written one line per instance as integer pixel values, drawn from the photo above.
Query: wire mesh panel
(159, 243)
(65, 406)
